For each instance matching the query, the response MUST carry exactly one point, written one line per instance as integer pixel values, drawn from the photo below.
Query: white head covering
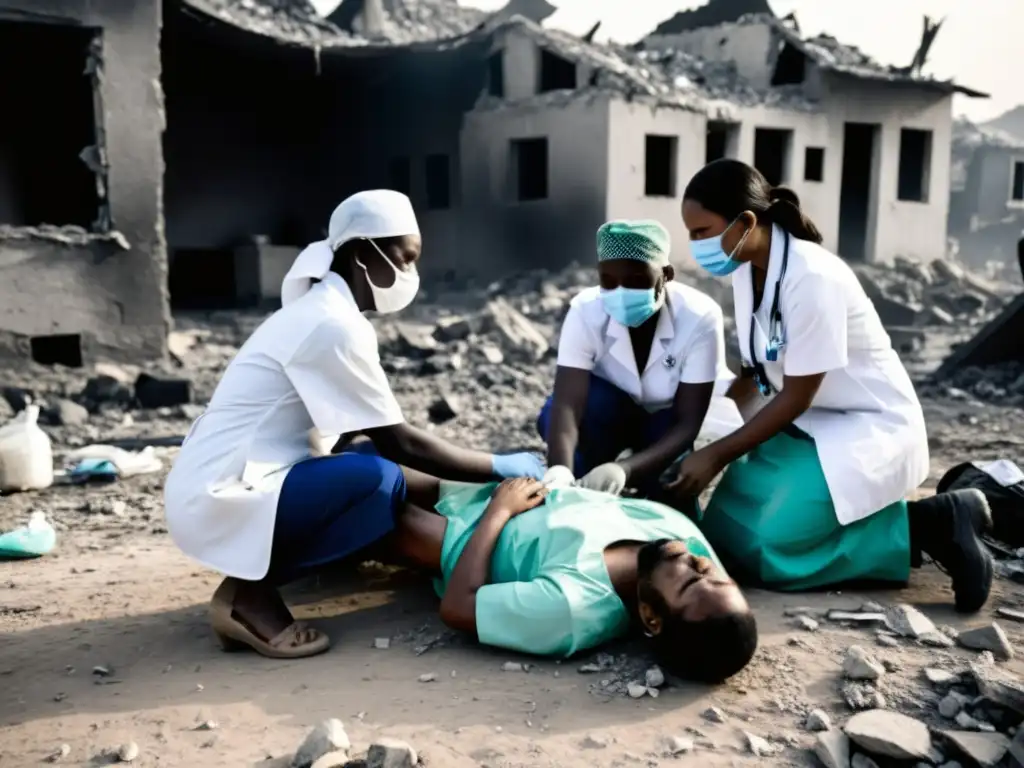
(373, 214)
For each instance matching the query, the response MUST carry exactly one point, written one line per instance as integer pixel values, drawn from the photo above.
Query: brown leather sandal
(297, 641)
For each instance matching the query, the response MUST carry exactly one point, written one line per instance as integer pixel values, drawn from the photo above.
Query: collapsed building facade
(514, 141)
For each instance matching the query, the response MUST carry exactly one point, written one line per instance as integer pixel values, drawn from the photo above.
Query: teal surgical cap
(646, 241)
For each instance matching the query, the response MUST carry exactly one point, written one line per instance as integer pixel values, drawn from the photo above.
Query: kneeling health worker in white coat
(814, 494)
(245, 496)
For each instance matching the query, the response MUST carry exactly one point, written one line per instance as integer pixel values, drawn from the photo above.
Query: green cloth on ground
(550, 593)
(772, 520)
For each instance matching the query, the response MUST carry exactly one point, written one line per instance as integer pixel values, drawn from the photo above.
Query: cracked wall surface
(109, 286)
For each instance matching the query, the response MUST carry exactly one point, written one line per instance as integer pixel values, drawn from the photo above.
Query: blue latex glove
(518, 465)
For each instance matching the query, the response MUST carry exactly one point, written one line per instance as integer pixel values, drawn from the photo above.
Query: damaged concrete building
(515, 142)
(82, 262)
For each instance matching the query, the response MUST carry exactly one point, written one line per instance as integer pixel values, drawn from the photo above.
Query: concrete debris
(858, 618)
(444, 409)
(988, 638)
(1017, 749)
(335, 760)
(940, 678)
(951, 705)
(833, 749)
(59, 754)
(428, 677)
(859, 665)
(128, 752)
(907, 621)
(391, 753)
(807, 624)
(890, 734)
(985, 750)
(329, 736)
(860, 696)
(654, 677)
(595, 741)
(517, 334)
(759, 747)
(817, 720)
(636, 690)
(998, 687)
(513, 666)
(1009, 613)
(382, 643)
(861, 760)
(678, 745)
(713, 715)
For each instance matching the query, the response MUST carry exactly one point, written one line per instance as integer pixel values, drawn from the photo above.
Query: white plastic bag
(26, 456)
(128, 463)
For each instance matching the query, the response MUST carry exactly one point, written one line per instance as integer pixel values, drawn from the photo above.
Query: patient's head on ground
(701, 626)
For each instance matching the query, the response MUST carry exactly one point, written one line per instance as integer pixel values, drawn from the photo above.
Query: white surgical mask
(399, 294)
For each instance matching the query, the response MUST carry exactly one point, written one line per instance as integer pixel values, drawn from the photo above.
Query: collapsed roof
(406, 21)
(711, 14)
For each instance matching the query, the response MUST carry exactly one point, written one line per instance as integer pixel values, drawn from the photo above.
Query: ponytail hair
(729, 187)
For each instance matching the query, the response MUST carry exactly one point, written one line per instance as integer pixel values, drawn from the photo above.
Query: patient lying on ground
(554, 573)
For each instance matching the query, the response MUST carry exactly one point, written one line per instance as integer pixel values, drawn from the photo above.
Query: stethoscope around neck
(774, 344)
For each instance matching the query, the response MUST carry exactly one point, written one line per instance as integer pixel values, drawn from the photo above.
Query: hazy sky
(980, 44)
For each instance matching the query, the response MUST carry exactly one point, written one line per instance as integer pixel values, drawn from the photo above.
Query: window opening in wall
(64, 349)
(529, 167)
(400, 175)
(814, 164)
(437, 171)
(203, 279)
(721, 141)
(790, 67)
(660, 165)
(1017, 182)
(915, 163)
(49, 126)
(496, 74)
(771, 153)
(556, 73)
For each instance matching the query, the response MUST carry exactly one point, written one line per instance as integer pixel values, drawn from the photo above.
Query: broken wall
(752, 46)
(109, 289)
(912, 229)
(629, 126)
(502, 234)
(988, 189)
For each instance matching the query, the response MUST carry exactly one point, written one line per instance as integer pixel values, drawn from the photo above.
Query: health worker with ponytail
(834, 436)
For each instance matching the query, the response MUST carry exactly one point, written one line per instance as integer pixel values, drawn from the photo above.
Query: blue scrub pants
(333, 507)
(612, 422)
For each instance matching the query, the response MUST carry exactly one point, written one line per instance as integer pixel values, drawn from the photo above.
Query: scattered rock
(594, 741)
(102, 671)
(207, 725)
(940, 677)
(966, 722)
(937, 640)
(444, 409)
(333, 760)
(833, 749)
(950, 706)
(862, 761)
(329, 736)
(391, 753)
(59, 754)
(512, 666)
(982, 749)
(1009, 613)
(713, 715)
(128, 752)
(858, 665)
(66, 413)
(906, 621)
(890, 734)
(988, 638)
(517, 335)
(678, 745)
(104, 389)
(1017, 748)
(382, 643)
(428, 677)
(861, 618)
(636, 690)
(654, 677)
(817, 720)
(451, 329)
(806, 623)
(887, 641)
(759, 747)
(860, 696)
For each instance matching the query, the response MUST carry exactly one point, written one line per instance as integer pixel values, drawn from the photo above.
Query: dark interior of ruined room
(46, 98)
(855, 193)
(264, 139)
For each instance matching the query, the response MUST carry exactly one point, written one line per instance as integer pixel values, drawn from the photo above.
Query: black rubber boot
(947, 527)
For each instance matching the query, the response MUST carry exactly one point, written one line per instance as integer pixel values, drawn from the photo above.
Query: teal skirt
(772, 522)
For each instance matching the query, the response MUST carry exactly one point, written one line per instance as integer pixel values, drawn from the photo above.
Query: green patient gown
(772, 522)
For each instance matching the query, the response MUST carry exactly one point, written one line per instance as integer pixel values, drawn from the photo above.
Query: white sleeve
(341, 383)
(815, 327)
(576, 348)
(704, 357)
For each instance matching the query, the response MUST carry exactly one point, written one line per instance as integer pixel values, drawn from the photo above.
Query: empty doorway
(772, 149)
(857, 191)
(722, 139)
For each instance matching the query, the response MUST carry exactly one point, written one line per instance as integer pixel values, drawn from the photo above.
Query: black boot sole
(971, 518)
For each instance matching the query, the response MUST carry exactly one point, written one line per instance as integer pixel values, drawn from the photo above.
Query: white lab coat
(866, 420)
(313, 363)
(688, 347)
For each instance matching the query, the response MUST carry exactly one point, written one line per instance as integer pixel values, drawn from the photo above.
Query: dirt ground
(117, 595)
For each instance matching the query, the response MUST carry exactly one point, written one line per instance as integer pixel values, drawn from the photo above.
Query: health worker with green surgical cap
(638, 359)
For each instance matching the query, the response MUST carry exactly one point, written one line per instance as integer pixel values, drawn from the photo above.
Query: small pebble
(512, 666)
(713, 715)
(429, 677)
(128, 752)
(61, 752)
(807, 623)
(655, 677)
(817, 721)
(678, 745)
(382, 643)
(636, 690)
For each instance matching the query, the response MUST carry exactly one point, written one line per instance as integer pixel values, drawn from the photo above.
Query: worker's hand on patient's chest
(610, 478)
(513, 497)
(559, 476)
(696, 472)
